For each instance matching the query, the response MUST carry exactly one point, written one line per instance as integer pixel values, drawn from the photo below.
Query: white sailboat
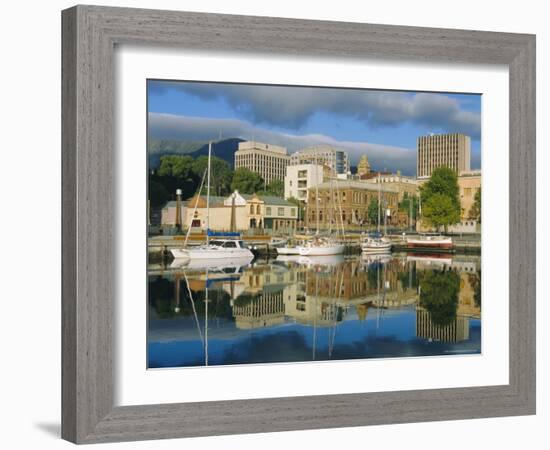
(321, 245)
(217, 248)
(376, 243)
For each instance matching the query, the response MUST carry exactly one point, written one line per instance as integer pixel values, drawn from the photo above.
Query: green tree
(177, 166)
(405, 205)
(475, 210)
(440, 211)
(372, 212)
(175, 172)
(220, 174)
(439, 295)
(276, 188)
(440, 200)
(246, 181)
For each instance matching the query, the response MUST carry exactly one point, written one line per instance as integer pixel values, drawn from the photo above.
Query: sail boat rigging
(320, 245)
(376, 243)
(220, 248)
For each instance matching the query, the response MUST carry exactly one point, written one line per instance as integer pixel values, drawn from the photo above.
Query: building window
(467, 192)
(280, 211)
(258, 209)
(292, 212)
(268, 210)
(251, 209)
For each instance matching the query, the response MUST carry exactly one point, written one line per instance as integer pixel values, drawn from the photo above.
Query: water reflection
(318, 308)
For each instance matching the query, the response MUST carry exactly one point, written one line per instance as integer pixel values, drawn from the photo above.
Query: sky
(384, 125)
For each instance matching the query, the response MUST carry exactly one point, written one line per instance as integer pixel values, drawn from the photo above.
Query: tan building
(363, 168)
(400, 182)
(347, 202)
(442, 150)
(238, 212)
(469, 183)
(337, 160)
(269, 161)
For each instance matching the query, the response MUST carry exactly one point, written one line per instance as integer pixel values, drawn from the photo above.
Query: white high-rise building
(336, 160)
(268, 160)
(301, 177)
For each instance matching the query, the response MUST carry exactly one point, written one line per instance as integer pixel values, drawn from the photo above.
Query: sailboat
(376, 243)
(224, 247)
(321, 245)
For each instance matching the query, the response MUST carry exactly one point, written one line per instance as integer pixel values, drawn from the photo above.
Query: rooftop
(355, 184)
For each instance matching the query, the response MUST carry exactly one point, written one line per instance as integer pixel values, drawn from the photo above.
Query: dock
(159, 246)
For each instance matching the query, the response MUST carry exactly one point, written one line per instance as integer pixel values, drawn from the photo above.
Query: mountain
(160, 147)
(223, 149)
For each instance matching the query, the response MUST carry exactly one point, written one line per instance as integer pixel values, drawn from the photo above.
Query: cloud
(292, 107)
(174, 127)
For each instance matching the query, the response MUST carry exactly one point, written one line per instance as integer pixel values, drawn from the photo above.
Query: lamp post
(178, 209)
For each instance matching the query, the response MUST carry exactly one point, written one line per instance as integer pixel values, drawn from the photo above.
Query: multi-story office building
(336, 160)
(268, 160)
(437, 150)
(300, 178)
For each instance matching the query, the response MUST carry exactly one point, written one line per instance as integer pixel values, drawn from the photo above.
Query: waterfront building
(347, 202)
(301, 177)
(402, 183)
(265, 211)
(169, 212)
(268, 160)
(438, 150)
(337, 160)
(469, 183)
(363, 168)
(237, 212)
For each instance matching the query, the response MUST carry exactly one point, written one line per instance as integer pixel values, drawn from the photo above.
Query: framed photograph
(277, 224)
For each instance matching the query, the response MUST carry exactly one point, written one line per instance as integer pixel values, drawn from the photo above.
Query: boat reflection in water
(297, 308)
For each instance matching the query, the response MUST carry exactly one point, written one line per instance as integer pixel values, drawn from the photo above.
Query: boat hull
(322, 250)
(431, 245)
(288, 251)
(376, 250)
(211, 253)
(437, 243)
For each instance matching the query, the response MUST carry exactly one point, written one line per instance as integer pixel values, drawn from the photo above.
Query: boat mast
(317, 203)
(379, 200)
(206, 322)
(208, 194)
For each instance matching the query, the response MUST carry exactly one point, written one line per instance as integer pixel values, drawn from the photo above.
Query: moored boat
(375, 243)
(215, 249)
(321, 246)
(428, 241)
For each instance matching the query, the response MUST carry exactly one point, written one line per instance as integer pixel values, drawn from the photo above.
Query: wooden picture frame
(89, 35)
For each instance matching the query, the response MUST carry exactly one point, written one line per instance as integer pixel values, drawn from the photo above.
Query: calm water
(304, 309)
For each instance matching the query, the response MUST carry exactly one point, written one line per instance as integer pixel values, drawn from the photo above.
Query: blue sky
(383, 124)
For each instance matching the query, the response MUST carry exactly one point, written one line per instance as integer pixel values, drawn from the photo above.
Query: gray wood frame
(89, 34)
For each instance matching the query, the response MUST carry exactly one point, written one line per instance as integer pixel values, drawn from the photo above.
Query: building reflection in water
(440, 295)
